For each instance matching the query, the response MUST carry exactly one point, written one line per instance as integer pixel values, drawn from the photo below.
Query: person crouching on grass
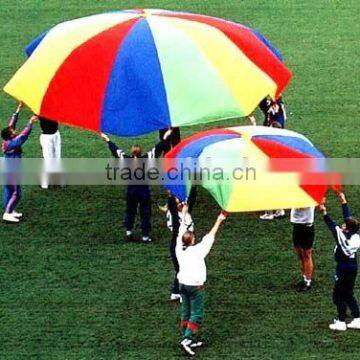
(347, 244)
(192, 276)
(11, 147)
(303, 238)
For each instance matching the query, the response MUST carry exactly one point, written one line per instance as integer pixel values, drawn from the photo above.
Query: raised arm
(19, 140)
(157, 151)
(182, 230)
(192, 198)
(207, 242)
(331, 224)
(344, 204)
(15, 116)
(115, 151)
(172, 205)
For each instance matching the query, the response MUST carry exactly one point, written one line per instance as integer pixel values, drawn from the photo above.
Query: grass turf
(71, 288)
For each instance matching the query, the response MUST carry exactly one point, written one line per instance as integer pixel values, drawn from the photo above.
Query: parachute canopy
(249, 168)
(132, 72)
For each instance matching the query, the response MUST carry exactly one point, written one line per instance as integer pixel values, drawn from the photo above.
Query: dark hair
(352, 224)
(7, 133)
(187, 238)
(136, 150)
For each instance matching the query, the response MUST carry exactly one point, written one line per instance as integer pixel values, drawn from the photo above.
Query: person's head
(136, 150)
(351, 225)
(179, 205)
(188, 238)
(8, 133)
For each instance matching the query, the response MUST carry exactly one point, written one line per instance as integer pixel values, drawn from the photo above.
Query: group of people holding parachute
(129, 73)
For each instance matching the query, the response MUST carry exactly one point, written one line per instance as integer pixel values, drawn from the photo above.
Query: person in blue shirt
(12, 149)
(347, 242)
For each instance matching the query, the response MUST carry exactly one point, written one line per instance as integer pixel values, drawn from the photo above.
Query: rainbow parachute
(286, 169)
(133, 72)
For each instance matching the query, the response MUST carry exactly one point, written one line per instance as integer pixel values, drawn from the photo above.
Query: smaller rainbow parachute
(249, 168)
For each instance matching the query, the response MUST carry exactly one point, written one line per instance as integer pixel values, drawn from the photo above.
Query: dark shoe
(300, 284)
(304, 288)
(129, 238)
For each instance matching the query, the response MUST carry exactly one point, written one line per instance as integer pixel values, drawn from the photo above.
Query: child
(138, 195)
(347, 244)
(192, 276)
(174, 218)
(11, 147)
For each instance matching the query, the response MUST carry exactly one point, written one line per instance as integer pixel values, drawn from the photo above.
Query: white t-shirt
(302, 215)
(192, 259)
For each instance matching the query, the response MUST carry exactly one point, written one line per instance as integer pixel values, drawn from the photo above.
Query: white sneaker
(267, 216)
(355, 324)
(338, 325)
(279, 213)
(10, 218)
(146, 239)
(186, 346)
(16, 214)
(175, 297)
(196, 344)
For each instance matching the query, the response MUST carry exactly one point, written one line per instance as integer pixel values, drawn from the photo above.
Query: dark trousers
(174, 139)
(343, 294)
(138, 196)
(172, 247)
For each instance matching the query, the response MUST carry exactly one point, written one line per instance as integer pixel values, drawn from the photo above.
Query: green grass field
(72, 289)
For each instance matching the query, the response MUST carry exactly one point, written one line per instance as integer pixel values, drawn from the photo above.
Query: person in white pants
(50, 141)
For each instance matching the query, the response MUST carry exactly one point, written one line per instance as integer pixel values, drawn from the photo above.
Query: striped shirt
(347, 243)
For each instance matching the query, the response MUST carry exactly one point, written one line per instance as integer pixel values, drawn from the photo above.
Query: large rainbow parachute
(132, 72)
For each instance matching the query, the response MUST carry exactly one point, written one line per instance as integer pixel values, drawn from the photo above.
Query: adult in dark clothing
(174, 138)
(138, 195)
(174, 219)
(347, 244)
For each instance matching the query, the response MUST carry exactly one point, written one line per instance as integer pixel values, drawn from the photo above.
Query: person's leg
(7, 193)
(338, 296)
(308, 265)
(57, 145)
(350, 300)
(145, 214)
(308, 236)
(14, 196)
(185, 309)
(175, 287)
(196, 312)
(47, 151)
(131, 209)
(298, 252)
